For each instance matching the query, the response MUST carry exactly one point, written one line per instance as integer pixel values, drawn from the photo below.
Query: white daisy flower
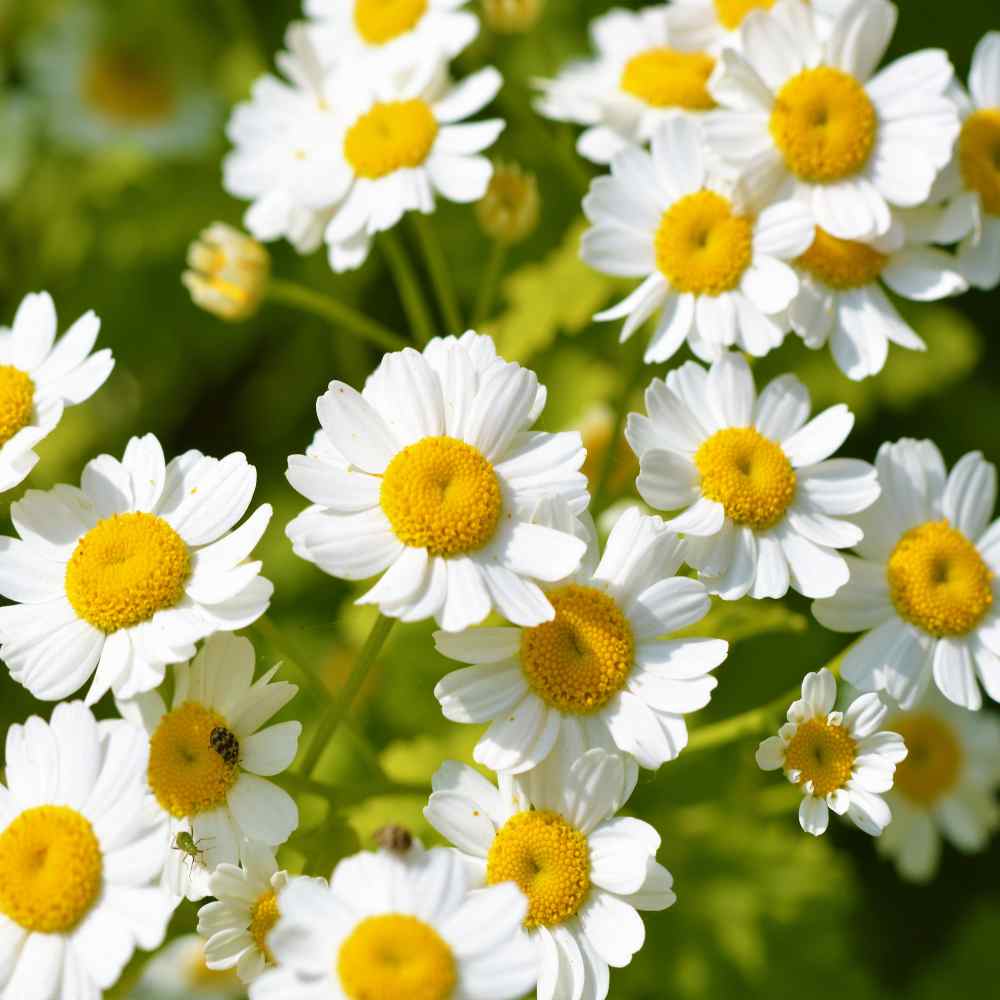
(80, 855)
(431, 476)
(764, 507)
(805, 118)
(39, 377)
(399, 927)
(124, 575)
(585, 871)
(178, 972)
(598, 674)
(209, 756)
(712, 259)
(840, 759)
(946, 787)
(636, 80)
(926, 583)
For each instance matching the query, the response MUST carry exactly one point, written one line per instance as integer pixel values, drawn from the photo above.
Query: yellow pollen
(842, 264)
(17, 400)
(824, 124)
(187, 774)
(702, 246)
(125, 569)
(128, 88)
(380, 21)
(979, 156)
(823, 753)
(748, 474)
(391, 136)
(731, 12)
(938, 581)
(582, 658)
(666, 78)
(440, 494)
(263, 916)
(396, 957)
(51, 869)
(548, 859)
(933, 760)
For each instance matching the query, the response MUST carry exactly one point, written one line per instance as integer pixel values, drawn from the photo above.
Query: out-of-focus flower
(512, 17)
(508, 212)
(178, 972)
(228, 272)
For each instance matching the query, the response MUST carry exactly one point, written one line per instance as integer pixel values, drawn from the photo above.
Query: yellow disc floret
(823, 753)
(582, 658)
(979, 156)
(938, 581)
(396, 957)
(842, 264)
(440, 494)
(748, 474)
(187, 774)
(702, 245)
(392, 136)
(666, 78)
(17, 400)
(125, 569)
(824, 124)
(380, 21)
(51, 869)
(933, 761)
(731, 12)
(263, 916)
(548, 859)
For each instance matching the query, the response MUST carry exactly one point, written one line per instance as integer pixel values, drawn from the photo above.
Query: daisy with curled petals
(840, 760)
(806, 118)
(712, 260)
(598, 674)
(431, 476)
(39, 377)
(924, 585)
(763, 503)
(585, 871)
(124, 575)
(399, 927)
(209, 758)
(80, 855)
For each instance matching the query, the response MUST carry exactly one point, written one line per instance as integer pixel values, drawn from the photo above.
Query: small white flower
(80, 855)
(926, 583)
(178, 972)
(764, 508)
(389, 921)
(124, 575)
(712, 259)
(840, 759)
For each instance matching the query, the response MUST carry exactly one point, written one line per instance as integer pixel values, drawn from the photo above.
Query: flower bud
(228, 272)
(510, 17)
(508, 212)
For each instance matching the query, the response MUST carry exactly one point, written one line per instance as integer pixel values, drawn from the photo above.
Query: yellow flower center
(128, 88)
(665, 78)
(188, 774)
(391, 136)
(380, 21)
(938, 581)
(17, 400)
(841, 263)
(51, 869)
(731, 12)
(125, 569)
(396, 957)
(824, 124)
(979, 156)
(263, 916)
(933, 761)
(582, 658)
(440, 494)
(702, 245)
(823, 753)
(548, 859)
(748, 474)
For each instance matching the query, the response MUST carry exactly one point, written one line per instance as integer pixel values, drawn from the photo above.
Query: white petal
(821, 437)
(970, 495)
(813, 815)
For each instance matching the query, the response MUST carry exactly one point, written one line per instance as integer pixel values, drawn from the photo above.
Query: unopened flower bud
(228, 273)
(508, 212)
(510, 17)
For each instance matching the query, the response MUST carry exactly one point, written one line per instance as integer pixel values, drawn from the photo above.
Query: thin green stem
(342, 316)
(408, 284)
(437, 267)
(266, 628)
(600, 491)
(489, 283)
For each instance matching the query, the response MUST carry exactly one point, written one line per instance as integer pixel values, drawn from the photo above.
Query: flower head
(508, 212)
(228, 272)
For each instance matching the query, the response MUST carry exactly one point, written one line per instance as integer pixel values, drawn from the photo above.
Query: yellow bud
(510, 17)
(508, 212)
(228, 273)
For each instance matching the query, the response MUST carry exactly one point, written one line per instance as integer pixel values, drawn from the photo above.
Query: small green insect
(190, 848)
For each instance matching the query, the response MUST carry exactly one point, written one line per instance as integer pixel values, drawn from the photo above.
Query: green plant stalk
(437, 267)
(408, 284)
(490, 282)
(600, 498)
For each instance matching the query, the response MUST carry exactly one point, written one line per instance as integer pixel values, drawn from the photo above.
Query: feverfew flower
(585, 871)
(397, 927)
(840, 759)
(806, 118)
(712, 258)
(431, 476)
(926, 581)
(763, 507)
(39, 377)
(228, 273)
(80, 855)
(124, 575)
(178, 972)
(599, 674)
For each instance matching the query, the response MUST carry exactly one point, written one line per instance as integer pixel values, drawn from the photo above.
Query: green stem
(288, 293)
(490, 282)
(437, 267)
(407, 282)
(279, 644)
(600, 491)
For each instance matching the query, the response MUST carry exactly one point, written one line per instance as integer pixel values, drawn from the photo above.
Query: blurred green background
(112, 122)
